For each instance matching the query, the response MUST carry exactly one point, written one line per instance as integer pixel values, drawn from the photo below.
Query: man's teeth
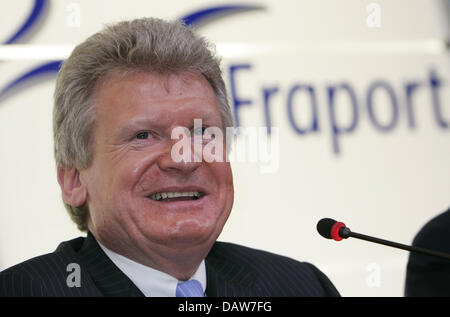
(161, 196)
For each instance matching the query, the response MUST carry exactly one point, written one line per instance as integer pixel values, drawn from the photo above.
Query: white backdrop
(382, 183)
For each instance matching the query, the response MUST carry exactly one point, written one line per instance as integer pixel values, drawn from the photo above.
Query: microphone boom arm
(346, 232)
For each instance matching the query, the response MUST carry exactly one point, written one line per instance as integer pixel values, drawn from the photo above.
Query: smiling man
(152, 221)
(143, 204)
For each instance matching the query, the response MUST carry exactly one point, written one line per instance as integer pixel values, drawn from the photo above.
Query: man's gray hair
(141, 45)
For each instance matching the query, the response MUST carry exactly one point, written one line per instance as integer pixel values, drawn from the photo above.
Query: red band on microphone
(335, 231)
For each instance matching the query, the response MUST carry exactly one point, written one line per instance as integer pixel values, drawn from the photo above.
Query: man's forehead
(158, 84)
(148, 95)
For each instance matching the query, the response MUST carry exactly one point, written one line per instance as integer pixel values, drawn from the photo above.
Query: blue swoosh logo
(193, 19)
(46, 68)
(210, 14)
(31, 20)
(43, 69)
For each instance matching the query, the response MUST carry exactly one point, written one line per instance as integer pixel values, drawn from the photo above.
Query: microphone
(332, 229)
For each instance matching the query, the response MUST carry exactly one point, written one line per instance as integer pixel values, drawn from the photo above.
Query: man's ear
(73, 190)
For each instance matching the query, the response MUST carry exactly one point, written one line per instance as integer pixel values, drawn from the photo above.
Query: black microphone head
(324, 227)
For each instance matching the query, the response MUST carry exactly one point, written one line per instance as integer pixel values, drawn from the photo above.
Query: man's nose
(183, 161)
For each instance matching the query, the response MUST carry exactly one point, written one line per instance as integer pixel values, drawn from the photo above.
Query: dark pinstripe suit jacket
(231, 270)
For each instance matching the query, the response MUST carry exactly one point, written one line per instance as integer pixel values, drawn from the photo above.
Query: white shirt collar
(151, 282)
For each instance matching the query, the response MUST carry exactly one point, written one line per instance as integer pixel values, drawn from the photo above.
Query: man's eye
(142, 135)
(199, 131)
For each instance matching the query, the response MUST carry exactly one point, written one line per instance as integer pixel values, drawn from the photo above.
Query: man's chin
(185, 236)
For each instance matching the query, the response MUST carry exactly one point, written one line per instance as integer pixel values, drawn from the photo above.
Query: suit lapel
(107, 277)
(226, 278)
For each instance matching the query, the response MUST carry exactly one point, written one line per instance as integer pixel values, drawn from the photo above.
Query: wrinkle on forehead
(182, 79)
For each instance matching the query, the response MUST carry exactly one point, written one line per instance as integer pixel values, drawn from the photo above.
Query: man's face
(132, 164)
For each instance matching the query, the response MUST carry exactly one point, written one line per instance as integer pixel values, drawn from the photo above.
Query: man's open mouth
(176, 196)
